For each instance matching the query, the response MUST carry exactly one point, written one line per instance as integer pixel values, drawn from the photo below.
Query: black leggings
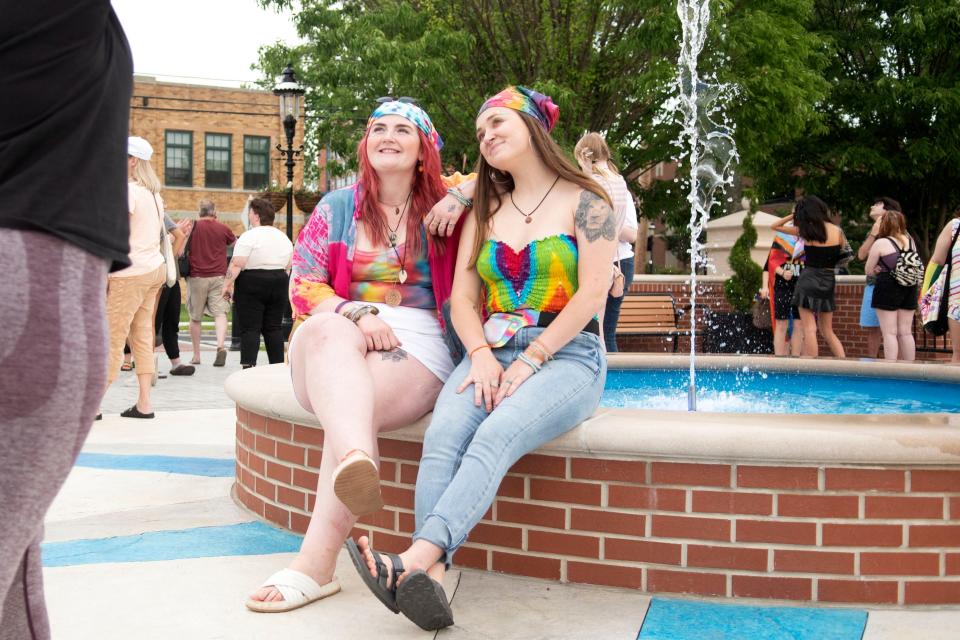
(261, 295)
(167, 321)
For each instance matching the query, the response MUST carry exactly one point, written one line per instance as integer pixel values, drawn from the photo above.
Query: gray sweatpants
(53, 358)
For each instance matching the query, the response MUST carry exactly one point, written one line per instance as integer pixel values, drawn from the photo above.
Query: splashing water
(707, 144)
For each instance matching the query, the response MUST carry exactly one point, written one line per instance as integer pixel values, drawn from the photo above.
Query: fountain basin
(822, 508)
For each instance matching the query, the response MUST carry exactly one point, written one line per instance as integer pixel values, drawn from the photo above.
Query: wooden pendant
(393, 298)
(528, 220)
(402, 276)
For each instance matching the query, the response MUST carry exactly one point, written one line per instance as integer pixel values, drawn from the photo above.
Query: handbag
(846, 253)
(760, 309)
(166, 248)
(936, 299)
(183, 262)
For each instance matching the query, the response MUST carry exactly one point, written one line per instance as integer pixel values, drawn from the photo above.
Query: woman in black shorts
(814, 293)
(894, 303)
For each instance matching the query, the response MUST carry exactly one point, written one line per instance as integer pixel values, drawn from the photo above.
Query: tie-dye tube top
(375, 274)
(542, 276)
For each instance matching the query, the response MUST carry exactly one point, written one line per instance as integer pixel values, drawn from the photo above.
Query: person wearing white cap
(132, 292)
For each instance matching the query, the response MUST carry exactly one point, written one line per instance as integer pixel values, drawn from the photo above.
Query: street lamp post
(290, 94)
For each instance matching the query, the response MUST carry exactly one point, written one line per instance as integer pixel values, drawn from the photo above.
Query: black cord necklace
(392, 236)
(528, 217)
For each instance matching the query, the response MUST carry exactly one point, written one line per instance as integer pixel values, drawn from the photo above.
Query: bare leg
(195, 339)
(825, 323)
(355, 395)
(144, 381)
(954, 339)
(874, 339)
(220, 326)
(908, 348)
(796, 340)
(809, 322)
(780, 338)
(888, 328)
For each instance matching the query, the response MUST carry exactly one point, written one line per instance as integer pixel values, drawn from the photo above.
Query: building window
(256, 162)
(178, 166)
(218, 160)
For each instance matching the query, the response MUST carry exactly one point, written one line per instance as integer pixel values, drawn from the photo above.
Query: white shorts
(419, 334)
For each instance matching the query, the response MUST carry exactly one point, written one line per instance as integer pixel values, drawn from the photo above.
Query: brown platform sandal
(356, 482)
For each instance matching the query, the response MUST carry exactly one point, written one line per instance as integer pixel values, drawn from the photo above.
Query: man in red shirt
(208, 266)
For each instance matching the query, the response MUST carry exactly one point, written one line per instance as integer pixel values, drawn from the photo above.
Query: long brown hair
(487, 200)
(426, 190)
(893, 223)
(594, 148)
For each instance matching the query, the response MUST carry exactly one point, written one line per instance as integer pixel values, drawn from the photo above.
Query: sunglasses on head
(404, 99)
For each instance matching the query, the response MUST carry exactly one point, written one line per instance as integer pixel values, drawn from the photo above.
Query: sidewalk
(144, 541)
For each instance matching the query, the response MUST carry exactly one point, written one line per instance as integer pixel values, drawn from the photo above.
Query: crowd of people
(799, 280)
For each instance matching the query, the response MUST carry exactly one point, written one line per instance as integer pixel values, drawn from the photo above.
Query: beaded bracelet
(460, 197)
(536, 344)
(530, 363)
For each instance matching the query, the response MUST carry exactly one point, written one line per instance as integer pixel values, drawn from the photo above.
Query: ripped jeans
(467, 451)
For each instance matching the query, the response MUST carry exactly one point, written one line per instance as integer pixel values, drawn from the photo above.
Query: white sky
(200, 41)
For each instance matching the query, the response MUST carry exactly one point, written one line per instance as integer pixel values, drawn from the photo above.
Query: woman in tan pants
(132, 292)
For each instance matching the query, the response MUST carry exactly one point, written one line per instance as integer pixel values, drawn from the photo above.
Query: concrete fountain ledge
(839, 509)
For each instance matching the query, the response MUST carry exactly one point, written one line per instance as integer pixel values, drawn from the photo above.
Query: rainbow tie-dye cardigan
(322, 263)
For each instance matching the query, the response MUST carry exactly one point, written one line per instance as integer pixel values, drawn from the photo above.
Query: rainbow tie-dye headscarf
(533, 103)
(411, 112)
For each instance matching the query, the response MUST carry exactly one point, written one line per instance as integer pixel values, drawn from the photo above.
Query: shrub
(742, 286)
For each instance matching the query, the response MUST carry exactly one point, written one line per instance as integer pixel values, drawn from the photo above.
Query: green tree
(890, 124)
(740, 288)
(608, 65)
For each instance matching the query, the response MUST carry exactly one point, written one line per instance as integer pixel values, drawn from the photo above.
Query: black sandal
(133, 412)
(423, 601)
(378, 585)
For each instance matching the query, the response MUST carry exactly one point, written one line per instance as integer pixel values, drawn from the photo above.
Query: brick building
(215, 143)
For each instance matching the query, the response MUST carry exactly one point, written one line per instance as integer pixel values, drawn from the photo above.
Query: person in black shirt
(65, 89)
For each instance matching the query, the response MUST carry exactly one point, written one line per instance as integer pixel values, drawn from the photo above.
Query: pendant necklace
(392, 236)
(393, 297)
(528, 217)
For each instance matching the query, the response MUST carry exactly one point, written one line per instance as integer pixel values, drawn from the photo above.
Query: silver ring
(509, 382)
(495, 385)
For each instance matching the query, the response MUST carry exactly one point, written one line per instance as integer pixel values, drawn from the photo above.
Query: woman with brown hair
(535, 256)
(895, 303)
(367, 288)
(593, 156)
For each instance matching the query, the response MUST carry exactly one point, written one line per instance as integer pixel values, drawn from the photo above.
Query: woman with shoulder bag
(132, 292)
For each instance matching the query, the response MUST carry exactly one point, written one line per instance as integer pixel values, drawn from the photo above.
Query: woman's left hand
(228, 291)
(516, 374)
(443, 217)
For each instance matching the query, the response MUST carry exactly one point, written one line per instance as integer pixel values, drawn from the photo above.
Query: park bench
(650, 314)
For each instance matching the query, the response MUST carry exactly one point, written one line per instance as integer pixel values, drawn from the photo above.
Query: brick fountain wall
(882, 535)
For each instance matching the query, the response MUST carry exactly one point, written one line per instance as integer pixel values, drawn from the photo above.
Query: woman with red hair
(369, 352)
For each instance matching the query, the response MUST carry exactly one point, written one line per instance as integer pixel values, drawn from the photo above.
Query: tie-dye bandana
(411, 112)
(520, 98)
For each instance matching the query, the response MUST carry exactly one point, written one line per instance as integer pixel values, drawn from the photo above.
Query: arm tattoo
(397, 355)
(595, 218)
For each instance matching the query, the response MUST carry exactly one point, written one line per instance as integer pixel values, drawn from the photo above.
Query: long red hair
(427, 190)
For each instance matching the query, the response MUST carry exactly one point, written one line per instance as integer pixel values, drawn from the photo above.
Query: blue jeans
(467, 451)
(611, 314)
